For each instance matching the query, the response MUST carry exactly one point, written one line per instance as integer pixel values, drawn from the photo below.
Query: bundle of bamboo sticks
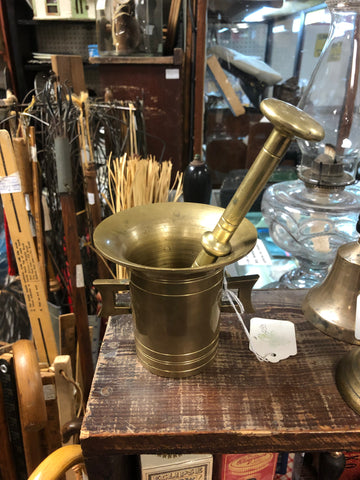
(135, 181)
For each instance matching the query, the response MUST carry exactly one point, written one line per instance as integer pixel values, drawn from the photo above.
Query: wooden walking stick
(92, 196)
(59, 102)
(37, 207)
(64, 173)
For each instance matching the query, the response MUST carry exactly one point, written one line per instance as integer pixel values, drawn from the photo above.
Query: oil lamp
(312, 216)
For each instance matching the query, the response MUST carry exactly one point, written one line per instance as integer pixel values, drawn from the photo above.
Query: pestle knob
(289, 122)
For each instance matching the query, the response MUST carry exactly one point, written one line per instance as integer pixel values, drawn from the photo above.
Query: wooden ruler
(25, 252)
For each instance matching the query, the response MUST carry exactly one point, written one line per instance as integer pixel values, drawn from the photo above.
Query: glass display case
(129, 27)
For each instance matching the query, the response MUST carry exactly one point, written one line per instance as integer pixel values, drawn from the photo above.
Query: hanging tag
(79, 276)
(357, 318)
(272, 340)
(91, 198)
(100, 5)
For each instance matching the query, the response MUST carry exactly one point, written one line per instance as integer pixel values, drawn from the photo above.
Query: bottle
(197, 182)
(313, 216)
(332, 97)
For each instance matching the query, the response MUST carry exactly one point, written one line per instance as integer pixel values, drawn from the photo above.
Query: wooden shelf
(38, 21)
(175, 59)
(237, 405)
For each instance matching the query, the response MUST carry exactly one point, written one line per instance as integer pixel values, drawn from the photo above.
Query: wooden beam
(200, 67)
(172, 26)
(69, 68)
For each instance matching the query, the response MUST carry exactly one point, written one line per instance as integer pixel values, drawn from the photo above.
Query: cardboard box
(180, 467)
(249, 466)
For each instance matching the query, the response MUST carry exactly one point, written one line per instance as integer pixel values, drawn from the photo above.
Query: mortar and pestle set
(176, 254)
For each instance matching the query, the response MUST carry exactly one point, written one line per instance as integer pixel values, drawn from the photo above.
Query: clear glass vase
(311, 224)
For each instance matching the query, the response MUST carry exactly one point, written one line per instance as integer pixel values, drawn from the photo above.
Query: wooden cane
(92, 197)
(37, 207)
(64, 174)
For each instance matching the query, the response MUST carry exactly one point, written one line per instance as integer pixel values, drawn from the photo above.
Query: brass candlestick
(289, 122)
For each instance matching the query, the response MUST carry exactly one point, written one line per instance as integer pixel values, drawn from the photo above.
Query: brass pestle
(289, 122)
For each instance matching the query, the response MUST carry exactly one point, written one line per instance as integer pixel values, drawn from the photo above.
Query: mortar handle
(289, 122)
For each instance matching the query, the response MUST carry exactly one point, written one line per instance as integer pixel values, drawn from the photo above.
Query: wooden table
(236, 405)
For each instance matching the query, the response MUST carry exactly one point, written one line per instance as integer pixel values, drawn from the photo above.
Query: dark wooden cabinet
(20, 42)
(159, 83)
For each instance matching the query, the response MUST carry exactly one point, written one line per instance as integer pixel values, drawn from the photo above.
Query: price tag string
(239, 310)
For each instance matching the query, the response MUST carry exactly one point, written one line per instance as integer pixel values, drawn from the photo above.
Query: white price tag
(49, 392)
(79, 276)
(10, 184)
(100, 5)
(91, 198)
(357, 318)
(172, 74)
(83, 157)
(33, 153)
(149, 29)
(272, 340)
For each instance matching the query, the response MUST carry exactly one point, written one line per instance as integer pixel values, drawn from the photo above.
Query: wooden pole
(188, 84)
(200, 67)
(78, 296)
(172, 26)
(73, 253)
(37, 207)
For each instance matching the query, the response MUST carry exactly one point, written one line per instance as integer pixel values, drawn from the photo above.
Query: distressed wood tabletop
(236, 405)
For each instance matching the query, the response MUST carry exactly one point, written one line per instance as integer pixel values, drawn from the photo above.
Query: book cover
(179, 467)
(249, 466)
(352, 466)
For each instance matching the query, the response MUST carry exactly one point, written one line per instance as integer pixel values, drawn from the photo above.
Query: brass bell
(331, 306)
